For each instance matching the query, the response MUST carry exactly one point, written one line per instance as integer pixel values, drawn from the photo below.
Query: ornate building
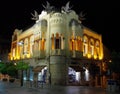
(59, 49)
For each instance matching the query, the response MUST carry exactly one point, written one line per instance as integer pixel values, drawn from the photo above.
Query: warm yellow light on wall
(11, 58)
(100, 57)
(22, 57)
(18, 57)
(28, 55)
(89, 55)
(53, 46)
(14, 58)
(95, 56)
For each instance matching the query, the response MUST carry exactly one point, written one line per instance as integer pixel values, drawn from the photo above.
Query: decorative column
(35, 79)
(82, 81)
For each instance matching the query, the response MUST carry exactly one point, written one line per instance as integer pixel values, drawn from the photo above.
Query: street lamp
(21, 44)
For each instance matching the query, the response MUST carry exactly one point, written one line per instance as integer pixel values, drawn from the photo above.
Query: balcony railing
(76, 54)
(57, 52)
(39, 54)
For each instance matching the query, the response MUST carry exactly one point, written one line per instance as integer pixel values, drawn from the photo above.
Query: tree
(11, 70)
(3, 68)
(22, 65)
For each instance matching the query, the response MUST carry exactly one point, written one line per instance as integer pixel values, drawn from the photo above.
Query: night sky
(102, 16)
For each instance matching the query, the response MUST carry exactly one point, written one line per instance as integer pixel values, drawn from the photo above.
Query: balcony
(57, 52)
(76, 54)
(39, 54)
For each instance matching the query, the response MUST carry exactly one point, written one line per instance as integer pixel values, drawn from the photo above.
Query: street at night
(12, 88)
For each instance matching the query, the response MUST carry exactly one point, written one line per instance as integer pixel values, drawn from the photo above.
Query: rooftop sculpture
(48, 8)
(35, 16)
(66, 8)
(82, 16)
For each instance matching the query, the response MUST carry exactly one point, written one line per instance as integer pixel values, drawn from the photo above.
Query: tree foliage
(3, 68)
(8, 68)
(11, 69)
(22, 65)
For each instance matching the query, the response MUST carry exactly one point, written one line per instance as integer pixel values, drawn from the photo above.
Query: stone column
(58, 70)
(35, 79)
(82, 81)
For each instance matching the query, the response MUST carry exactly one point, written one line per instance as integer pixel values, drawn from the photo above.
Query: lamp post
(21, 44)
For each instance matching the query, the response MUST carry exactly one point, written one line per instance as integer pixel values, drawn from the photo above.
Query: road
(12, 88)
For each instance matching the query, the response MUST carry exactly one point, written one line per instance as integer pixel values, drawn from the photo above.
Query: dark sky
(102, 16)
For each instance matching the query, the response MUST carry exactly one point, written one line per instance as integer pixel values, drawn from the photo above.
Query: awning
(38, 68)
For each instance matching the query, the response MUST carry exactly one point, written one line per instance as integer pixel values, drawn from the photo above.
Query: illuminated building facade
(58, 48)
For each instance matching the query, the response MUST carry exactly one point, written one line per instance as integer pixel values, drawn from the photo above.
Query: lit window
(91, 48)
(13, 52)
(31, 44)
(78, 44)
(57, 41)
(97, 48)
(52, 39)
(73, 44)
(85, 46)
(43, 44)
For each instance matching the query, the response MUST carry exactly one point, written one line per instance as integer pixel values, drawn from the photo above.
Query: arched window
(36, 48)
(85, 45)
(26, 49)
(42, 45)
(57, 42)
(78, 43)
(73, 42)
(62, 41)
(21, 50)
(31, 44)
(13, 52)
(53, 42)
(91, 50)
(97, 48)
